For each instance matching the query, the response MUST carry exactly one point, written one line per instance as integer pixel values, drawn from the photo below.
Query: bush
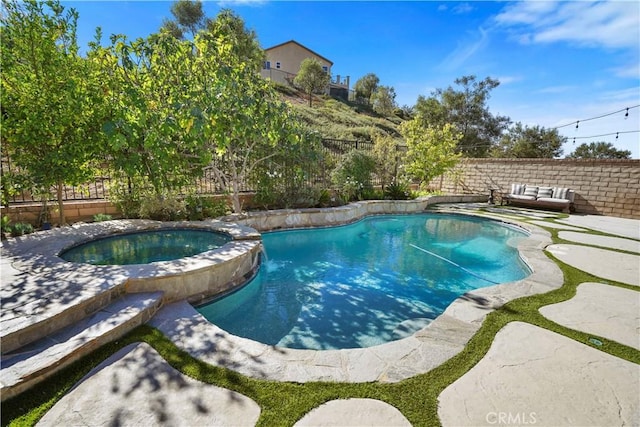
(102, 217)
(21, 228)
(397, 191)
(163, 207)
(352, 177)
(199, 208)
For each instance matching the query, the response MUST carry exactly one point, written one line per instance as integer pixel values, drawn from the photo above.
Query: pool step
(46, 303)
(31, 364)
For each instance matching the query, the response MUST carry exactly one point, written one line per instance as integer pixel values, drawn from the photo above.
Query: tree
(230, 27)
(384, 100)
(245, 122)
(311, 77)
(431, 150)
(189, 17)
(599, 150)
(365, 87)
(530, 142)
(154, 144)
(52, 99)
(467, 110)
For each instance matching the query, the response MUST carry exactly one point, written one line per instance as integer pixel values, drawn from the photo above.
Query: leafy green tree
(154, 139)
(530, 142)
(599, 150)
(431, 150)
(245, 122)
(244, 42)
(311, 78)
(52, 99)
(383, 100)
(365, 87)
(467, 110)
(189, 17)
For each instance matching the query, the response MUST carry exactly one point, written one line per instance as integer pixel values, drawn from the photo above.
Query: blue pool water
(367, 283)
(145, 247)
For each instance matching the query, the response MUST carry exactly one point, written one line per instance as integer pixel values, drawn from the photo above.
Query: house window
(325, 68)
(267, 65)
(278, 65)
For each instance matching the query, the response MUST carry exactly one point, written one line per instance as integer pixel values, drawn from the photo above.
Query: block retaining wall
(602, 187)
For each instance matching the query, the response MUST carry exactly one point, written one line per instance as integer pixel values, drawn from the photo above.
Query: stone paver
(531, 376)
(354, 412)
(623, 227)
(136, 386)
(604, 310)
(604, 241)
(606, 264)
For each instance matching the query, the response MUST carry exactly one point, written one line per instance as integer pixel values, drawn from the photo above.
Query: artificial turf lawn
(285, 403)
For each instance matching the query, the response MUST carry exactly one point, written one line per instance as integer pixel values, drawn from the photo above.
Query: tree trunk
(61, 219)
(310, 99)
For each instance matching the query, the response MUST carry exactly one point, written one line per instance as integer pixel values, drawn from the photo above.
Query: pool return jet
(453, 263)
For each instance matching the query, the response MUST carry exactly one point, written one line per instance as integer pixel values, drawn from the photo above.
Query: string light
(577, 122)
(605, 134)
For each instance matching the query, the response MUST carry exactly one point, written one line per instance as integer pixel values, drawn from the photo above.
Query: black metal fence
(332, 150)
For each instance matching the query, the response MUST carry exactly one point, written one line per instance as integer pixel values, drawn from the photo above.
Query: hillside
(334, 118)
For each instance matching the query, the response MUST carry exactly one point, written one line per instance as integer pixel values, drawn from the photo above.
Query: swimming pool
(363, 284)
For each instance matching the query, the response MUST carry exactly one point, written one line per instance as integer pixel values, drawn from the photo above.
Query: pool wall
(326, 217)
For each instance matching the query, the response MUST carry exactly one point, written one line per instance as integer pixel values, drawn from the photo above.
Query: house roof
(302, 46)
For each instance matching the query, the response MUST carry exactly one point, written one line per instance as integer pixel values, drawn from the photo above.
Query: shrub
(397, 191)
(102, 217)
(199, 208)
(352, 177)
(21, 228)
(163, 207)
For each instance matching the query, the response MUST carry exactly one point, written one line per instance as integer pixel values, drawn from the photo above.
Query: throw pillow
(531, 190)
(517, 189)
(545, 192)
(560, 192)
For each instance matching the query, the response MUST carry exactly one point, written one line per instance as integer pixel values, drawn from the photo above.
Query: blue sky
(558, 62)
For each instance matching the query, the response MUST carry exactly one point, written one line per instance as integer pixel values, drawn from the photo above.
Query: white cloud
(465, 51)
(631, 70)
(505, 80)
(556, 89)
(610, 24)
(463, 8)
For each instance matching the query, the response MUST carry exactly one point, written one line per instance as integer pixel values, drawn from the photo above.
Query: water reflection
(358, 285)
(145, 247)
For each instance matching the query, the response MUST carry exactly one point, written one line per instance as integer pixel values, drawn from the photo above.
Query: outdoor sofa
(539, 196)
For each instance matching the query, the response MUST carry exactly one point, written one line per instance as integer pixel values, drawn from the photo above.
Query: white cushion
(521, 197)
(552, 200)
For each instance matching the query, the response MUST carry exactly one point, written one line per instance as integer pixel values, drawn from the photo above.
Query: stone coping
(394, 361)
(39, 253)
(282, 219)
